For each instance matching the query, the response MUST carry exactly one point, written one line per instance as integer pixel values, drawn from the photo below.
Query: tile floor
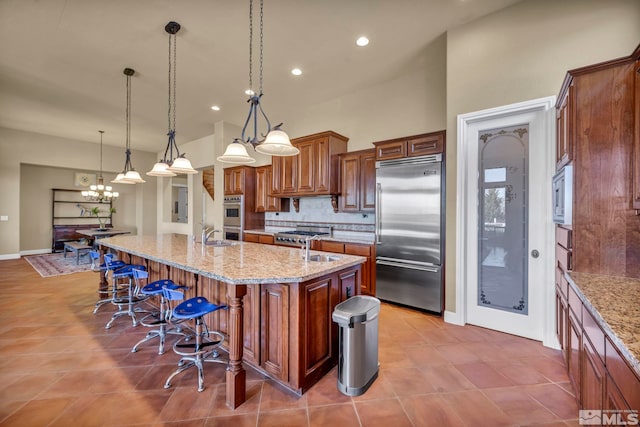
(60, 367)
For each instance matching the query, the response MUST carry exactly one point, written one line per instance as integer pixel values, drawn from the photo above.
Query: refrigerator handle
(378, 208)
(409, 266)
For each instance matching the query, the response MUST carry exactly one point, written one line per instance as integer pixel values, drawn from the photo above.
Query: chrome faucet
(307, 246)
(207, 232)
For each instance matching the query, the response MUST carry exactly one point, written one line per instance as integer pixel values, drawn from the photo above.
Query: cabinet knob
(535, 253)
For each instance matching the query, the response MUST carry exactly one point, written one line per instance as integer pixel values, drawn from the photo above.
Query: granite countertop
(353, 237)
(242, 263)
(614, 303)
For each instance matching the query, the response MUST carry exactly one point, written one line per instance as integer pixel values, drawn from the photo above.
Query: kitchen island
(279, 305)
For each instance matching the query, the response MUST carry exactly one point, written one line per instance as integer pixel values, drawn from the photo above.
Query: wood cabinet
(411, 146)
(274, 331)
(312, 172)
(265, 201)
(234, 180)
(368, 280)
(265, 239)
(597, 131)
(358, 181)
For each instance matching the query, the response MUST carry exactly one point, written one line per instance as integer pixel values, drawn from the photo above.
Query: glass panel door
(503, 156)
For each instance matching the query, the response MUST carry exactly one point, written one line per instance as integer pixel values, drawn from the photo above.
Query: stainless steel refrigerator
(409, 231)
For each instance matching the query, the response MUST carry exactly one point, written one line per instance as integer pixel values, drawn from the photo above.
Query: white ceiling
(61, 61)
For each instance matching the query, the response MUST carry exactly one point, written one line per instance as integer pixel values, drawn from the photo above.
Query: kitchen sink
(221, 243)
(324, 258)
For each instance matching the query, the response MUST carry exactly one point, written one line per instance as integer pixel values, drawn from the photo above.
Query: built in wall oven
(563, 195)
(232, 215)
(231, 233)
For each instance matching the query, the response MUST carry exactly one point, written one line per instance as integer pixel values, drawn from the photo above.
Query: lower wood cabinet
(368, 282)
(266, 239)
(274, 330)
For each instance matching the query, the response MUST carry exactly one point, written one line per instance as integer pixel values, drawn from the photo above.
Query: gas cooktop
(300, 234)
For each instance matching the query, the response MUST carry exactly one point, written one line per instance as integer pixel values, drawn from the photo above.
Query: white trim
(35, 252)
(453, 318)
(464, 121)
(9, 256)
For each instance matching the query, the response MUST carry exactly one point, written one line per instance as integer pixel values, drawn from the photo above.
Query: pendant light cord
(101, 132)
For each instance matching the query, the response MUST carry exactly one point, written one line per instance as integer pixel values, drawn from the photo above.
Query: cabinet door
(275, 330)
(564, 129)
(234, 181)
(319, 299)
(262, 183)
(307, 163)
(250, 237)
(322, 173)
(368, 181)
(350, 182)
(574, 346)
(592, 381)
(561, 322)
(425, 145)
(636, 141)
(391, 150)
(349, 283)
(288, 174)
(276, 176)
(367, 273)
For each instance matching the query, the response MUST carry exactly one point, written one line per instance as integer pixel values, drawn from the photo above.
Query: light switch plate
(4, 217)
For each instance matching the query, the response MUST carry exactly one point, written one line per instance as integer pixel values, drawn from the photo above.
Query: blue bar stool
(200, 347)
(126, 303)
(102, 268)
(160, 319)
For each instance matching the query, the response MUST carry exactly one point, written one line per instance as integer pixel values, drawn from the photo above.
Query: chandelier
(171, 165)
(128, 175)
(276, 142)
(100, 192)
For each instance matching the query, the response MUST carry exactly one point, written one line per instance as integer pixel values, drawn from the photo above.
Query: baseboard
(9, 256)
(35, 252)
(453, 318)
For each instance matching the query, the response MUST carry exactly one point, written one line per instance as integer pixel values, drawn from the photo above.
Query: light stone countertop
(242, 263)
(613, 301)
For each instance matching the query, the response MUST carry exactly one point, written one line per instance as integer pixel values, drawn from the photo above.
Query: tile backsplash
(318, 211)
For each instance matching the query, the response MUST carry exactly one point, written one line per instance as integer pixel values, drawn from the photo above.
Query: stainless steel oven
(232, 215)
(231, 233)
(563, 195)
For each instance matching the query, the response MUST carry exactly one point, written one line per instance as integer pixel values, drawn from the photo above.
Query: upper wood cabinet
(265, 201)
(564, 125)
(358, 181)
(234, 180)
(314, 171)
(411, 146)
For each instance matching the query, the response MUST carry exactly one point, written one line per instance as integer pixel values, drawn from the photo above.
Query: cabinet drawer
(355, 249)
(575, 304)
(593, 331)
(336, 247)
(622, 375)
(266, 239)
(561, 282)
(428, 144)
(563, 237)
(563, 257)
(391, 150)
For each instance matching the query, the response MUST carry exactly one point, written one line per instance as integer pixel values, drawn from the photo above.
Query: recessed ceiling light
(296, 71)
(215, 108)
(249, 92)
(362, 41)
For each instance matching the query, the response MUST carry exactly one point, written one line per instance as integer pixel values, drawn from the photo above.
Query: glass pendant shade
(182, 165)
(160, 169)
(277, 143)
(133, 177)
(236, 153)
(119, 179)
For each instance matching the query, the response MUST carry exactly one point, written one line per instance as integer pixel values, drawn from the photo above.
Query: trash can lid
(358, 308)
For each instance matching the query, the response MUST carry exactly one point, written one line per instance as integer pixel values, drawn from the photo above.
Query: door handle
(535, 253)
(378, 209)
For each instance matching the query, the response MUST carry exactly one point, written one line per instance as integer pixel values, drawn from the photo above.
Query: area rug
(56, 264)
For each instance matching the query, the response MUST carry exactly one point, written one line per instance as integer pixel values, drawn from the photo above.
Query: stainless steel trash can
(357, 319)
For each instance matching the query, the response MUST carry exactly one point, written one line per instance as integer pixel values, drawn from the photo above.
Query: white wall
(18, 148)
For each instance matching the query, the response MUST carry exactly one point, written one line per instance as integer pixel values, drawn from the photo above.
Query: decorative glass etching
(502, 218)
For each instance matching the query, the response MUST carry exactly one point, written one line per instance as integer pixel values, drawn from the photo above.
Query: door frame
(465, 138)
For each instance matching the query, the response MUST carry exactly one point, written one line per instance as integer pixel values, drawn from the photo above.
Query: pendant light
(277, 142)
(170, 166)
(100, 192)
(128, 175)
